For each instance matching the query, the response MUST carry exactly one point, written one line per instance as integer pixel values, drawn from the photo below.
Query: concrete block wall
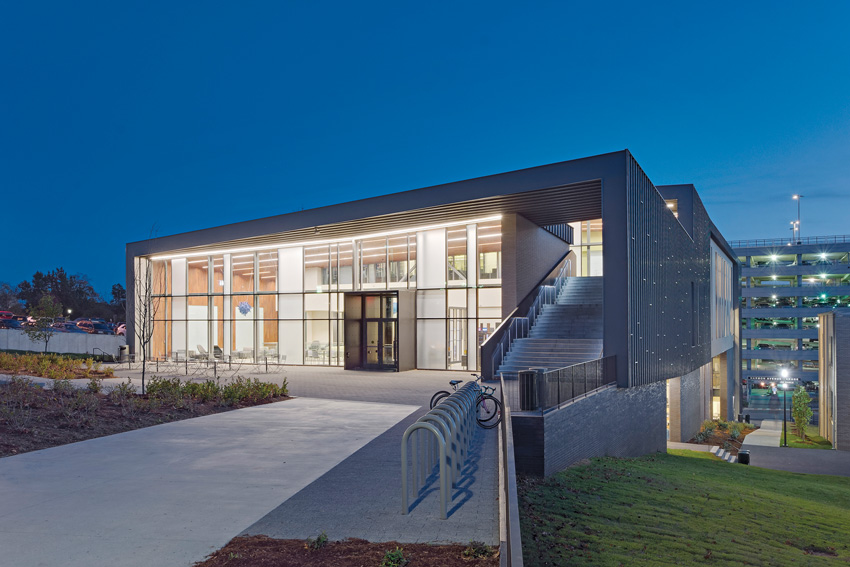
(76, 343)
(616, 422)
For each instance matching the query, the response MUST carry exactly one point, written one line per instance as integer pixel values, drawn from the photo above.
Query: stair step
(564, 333)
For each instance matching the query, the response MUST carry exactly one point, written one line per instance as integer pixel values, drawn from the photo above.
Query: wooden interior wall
(198, 278)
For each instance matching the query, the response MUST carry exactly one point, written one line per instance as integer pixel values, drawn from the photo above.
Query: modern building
(785, 285)
(432, 278)
(834, 378)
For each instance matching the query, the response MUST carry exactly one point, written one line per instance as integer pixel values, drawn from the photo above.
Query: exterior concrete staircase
(566, 332)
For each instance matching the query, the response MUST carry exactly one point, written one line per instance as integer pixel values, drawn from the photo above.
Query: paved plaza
(328, 460)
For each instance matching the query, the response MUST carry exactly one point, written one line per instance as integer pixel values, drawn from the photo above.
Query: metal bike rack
(442, 439)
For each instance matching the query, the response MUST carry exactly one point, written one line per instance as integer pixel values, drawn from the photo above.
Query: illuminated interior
(285, 304)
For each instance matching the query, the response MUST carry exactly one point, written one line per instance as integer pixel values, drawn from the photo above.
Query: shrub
(166, 390)
(80, 410)
(708, 426)
(394, 558)
(735, 430)
(62, 387)
(722, 424)
(124, 396)
(95, 385)
(205, 391)
(17, 398)
(249, 389)
(17, 417)
(318, 543)
(800, 410)
(110, 372)
(477, 549)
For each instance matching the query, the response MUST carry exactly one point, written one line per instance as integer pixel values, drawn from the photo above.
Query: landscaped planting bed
(812, 440)
(727, 435)
(52, 366)
(32, 417)
(261, 551)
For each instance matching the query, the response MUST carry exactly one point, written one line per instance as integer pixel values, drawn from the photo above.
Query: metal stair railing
(520, 327)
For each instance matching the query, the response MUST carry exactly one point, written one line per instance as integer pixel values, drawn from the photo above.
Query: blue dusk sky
(120, 117)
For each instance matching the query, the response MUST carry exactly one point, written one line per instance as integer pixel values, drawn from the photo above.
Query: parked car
(7, 315)
(121, 329)
(94, 327)
(68, 328)
(11, 324)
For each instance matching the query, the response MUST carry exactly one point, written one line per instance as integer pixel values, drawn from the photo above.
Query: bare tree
(145, 308)
(44, 313)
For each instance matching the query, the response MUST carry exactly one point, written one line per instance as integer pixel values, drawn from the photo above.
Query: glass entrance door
(380, 331)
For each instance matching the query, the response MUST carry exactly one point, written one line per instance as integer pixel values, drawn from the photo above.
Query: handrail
(756, 243)
(511, 545)
(562, 385)
(521, 326)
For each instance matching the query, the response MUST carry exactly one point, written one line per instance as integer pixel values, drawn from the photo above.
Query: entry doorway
(380, 344)
(379, 327)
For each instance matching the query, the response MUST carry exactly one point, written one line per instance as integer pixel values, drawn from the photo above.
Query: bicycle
(488, 409)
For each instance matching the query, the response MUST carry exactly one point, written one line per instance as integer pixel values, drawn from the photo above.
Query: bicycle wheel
(438, 397)
(488, 412)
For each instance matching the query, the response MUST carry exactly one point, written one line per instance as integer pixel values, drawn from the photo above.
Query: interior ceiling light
(330, 241)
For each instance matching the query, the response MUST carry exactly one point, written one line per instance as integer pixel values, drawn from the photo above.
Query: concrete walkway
(173, 493)
(766, 436)
(809, 461)
(361, 498)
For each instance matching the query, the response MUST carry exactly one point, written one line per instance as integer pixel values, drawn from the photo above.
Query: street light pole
(784, 403)
(784, 374)
(798, 198)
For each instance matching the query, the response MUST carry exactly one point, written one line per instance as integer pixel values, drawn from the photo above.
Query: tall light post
(798, 198)
(784, 404)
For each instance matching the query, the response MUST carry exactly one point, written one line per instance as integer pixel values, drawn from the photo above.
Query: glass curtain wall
(286, 304)
(588, 246)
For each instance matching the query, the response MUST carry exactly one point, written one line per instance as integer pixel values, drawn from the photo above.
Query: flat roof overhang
(548, 206)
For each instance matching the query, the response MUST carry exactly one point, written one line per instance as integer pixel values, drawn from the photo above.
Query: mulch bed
(49, 426)
(721, 438)
(262, 551)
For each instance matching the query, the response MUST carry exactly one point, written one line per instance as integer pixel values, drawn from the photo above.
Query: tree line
(66, 291)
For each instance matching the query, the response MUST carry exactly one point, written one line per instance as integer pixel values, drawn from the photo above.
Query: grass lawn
(812, 441)
(683, 508)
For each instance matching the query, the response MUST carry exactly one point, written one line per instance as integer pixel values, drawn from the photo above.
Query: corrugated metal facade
(668, 289)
